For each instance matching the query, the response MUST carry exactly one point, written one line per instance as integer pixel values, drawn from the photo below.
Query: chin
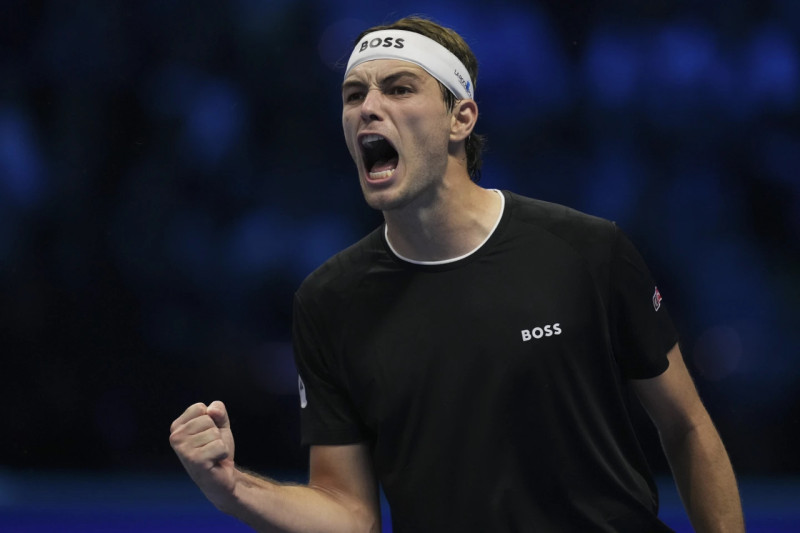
(380, 201)
(385, 200)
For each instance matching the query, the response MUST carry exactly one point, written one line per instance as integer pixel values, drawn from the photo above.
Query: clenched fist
(202, 439)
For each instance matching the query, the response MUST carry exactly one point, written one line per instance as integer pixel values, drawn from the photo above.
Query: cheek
(345, 127)
(431, 135)
(349, 137)
(354, 154)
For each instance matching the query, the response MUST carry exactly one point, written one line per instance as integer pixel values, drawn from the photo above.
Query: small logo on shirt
(541, 331)
(303, 400)
(656, 300)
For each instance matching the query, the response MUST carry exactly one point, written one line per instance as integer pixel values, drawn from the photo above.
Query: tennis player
(475, 355)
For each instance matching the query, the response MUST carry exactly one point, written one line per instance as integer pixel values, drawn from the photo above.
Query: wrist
(241, 490)
(227, 497)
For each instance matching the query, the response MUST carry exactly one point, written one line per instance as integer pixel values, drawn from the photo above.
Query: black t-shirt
(491, 388)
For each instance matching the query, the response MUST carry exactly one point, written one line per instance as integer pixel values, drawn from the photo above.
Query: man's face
(397, 129)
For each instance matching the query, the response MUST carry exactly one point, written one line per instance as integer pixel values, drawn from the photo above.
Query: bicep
(671, 399)
(345, 472)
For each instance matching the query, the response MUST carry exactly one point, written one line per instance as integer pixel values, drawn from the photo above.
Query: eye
(353, 96)
(400, 90)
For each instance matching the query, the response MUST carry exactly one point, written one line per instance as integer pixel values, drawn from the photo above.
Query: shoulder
(340, 274)
(586, 234)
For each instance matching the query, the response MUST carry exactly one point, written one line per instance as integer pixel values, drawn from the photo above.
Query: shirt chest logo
(538, 332)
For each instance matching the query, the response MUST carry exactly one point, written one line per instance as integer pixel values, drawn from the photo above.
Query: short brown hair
(456, 44)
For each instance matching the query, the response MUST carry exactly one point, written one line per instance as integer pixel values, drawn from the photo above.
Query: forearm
(268, 506)
(705, 479)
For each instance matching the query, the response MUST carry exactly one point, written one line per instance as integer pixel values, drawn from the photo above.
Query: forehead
(379, 69)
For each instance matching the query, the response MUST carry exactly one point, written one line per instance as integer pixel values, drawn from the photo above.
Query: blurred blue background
(170, 171)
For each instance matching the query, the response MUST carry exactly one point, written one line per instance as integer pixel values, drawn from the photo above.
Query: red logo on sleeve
(656, 300)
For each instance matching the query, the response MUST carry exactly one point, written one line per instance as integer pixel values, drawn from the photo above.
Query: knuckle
(217, 450)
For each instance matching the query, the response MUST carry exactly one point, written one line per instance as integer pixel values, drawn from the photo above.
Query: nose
(371, 106)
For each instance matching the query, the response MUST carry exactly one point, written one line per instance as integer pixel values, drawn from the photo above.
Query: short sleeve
(641, 329)
(327, 415)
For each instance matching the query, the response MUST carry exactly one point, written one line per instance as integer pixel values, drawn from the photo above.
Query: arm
(342, 493)
(695, 452)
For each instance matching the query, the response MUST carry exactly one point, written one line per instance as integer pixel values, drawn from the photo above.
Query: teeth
(371, 138)
(382, 175)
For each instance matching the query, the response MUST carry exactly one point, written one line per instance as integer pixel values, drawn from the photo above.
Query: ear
(465, 115)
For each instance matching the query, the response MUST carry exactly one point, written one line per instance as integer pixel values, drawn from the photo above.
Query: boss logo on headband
(386, 42)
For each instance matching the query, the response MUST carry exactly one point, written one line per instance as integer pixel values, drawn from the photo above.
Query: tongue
(384, 164)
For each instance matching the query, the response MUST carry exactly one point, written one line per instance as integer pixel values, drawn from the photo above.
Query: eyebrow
(391, 78)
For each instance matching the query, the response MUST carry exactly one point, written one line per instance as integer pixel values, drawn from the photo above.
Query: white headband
(437, 60)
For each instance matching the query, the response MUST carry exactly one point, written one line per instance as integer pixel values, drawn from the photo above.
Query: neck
(451, 224)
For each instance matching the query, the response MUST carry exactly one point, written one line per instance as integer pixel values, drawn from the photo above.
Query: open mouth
(380, 157)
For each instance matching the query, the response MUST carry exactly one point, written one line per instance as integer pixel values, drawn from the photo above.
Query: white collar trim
(452, 259)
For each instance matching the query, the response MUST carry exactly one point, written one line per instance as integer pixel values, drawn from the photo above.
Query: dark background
(170, 171)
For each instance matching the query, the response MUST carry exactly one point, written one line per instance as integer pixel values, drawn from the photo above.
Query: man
(474, 354)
